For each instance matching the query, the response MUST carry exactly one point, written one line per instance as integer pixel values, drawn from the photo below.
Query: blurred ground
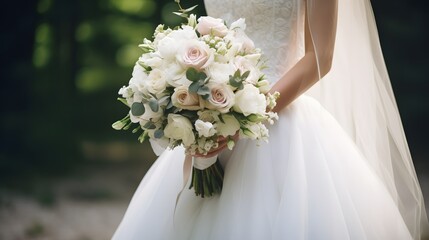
(84, 206)
(87, 206)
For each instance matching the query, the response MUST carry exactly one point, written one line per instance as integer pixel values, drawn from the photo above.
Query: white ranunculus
(195, 54)
(250, 101)
(209, 25)
(221, 97)
(156, 82)
(205, 129)
(229, 126)
(179, 128)
(220, 72)
(183, 99)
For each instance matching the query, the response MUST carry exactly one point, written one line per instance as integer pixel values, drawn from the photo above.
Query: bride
(337, 165)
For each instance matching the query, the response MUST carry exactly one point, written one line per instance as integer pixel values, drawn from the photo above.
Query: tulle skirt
(309, 182)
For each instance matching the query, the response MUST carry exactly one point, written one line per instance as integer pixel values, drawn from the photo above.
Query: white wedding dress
(311, 181)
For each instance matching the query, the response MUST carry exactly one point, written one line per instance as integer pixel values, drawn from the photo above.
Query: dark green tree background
(62, 63)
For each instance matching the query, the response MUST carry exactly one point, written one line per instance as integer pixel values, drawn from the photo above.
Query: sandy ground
(85, 207)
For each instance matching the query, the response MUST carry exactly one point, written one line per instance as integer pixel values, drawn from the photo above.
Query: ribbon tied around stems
(208, 168)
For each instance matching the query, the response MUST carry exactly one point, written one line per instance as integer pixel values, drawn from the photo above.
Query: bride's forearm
(308, 71)
(297, 80)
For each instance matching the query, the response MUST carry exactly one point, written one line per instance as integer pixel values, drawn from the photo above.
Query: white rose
(156, 83)
(220, 72)
(221, 97)
(195, 54)
(229, 126)
(183, 99)
(250, 101)
(205, 129)
(179, 128)
(210, 25)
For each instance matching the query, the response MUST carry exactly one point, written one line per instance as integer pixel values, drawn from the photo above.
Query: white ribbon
(202, 163)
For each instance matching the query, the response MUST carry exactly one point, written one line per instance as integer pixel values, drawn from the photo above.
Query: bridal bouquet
(196, 84)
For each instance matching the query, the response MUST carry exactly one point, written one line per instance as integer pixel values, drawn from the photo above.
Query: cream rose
(250, 101)
(195, 54)
(183, 99)
(221, 97)
(210, 25)
(205, 129)
(179, 128)
(229, 126)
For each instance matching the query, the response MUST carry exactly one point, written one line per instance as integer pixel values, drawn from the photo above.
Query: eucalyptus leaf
(153, 104)
(194, 87)
(159, 133)
(245, 75)
(192, 74)
(237, 73)
(206, 96)
(137, 109)
(204, 90)
(149, 125)
(170, 104)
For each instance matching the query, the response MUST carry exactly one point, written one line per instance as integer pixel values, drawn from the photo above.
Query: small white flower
(205, 129)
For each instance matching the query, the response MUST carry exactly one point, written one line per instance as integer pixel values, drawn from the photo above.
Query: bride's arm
(320, 28)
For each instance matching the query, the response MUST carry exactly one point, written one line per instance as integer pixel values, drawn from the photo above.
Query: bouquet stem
(209, 181)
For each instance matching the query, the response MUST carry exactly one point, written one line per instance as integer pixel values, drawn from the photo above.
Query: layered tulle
(309, 182)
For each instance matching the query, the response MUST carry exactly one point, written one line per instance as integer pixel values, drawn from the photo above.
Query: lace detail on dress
(272, 24)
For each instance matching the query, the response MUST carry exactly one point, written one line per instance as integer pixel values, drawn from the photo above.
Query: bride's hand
(222, 144)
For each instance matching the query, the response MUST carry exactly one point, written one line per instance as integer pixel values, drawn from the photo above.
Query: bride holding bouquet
(336, 164)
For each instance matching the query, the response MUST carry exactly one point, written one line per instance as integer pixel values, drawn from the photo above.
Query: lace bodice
(276, 26)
